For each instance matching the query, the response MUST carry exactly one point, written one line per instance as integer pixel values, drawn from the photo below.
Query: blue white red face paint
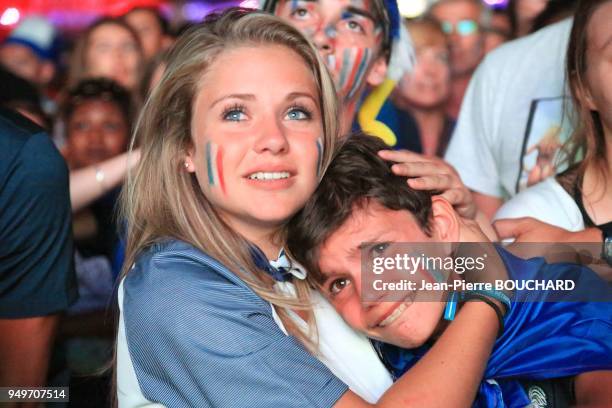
(352, 70)
(214, 165)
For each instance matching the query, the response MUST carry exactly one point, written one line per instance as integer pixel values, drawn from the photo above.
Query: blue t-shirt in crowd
(546, 334)
(198, 336)
(36, 249)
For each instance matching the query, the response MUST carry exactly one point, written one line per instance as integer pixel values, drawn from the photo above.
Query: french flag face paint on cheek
(214, 165)
(355, 62)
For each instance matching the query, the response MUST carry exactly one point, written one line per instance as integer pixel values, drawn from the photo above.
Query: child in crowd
(235, 138)
(545, 336)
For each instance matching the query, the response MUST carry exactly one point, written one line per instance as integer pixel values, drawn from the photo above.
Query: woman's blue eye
(298, 114)
(234, 115)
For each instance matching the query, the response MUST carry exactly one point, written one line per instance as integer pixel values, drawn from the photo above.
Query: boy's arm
(450, 373)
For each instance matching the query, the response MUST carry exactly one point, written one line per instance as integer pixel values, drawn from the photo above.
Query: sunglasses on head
(463, 27)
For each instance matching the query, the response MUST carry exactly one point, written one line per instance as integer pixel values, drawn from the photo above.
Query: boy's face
(348, 36)
(408, 323)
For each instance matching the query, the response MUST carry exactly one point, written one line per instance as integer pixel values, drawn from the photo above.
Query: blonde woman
(234, 139)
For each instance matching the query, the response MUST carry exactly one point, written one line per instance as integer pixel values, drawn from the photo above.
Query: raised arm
(90, 183)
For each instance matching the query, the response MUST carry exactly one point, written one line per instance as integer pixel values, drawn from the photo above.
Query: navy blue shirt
(36, 249)
(198, 336)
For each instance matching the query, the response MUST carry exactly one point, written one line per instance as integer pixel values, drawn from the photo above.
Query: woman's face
(428, 85)
(257, 136)
(599, 66)
(97, 131)
(112, 52)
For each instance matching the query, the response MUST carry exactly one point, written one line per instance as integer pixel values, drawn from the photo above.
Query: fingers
(418, 168)
(438, 182)
(401, 156)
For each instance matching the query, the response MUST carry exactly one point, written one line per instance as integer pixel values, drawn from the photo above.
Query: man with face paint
(353, 37)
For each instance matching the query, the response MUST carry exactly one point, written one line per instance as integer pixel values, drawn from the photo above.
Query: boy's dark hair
(355, 177)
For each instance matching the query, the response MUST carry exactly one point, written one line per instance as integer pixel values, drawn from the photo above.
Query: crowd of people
(184, 213)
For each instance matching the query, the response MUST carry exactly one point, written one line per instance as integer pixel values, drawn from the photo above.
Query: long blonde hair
(161, 200)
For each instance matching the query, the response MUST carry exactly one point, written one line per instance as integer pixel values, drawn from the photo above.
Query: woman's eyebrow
(295, 95)
(246, 97)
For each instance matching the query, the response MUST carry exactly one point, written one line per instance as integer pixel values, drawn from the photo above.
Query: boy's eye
(300, 13)
(379, 249)
(338, 285)
(354, 26)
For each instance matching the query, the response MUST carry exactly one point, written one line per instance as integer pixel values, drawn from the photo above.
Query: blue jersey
(542, 339)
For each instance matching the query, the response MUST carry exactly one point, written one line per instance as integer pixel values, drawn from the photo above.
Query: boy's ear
(445, 220)
(378, 72)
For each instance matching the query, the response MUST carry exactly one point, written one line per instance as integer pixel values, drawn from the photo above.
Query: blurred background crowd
(81, 69)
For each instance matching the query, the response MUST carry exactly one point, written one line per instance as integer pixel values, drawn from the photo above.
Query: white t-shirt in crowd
(546, 201)
(512, 114)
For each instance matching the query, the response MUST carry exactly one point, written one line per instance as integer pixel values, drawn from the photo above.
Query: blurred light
(195, 11)
(10, 16)
(496, 2)
(254, 4)
(412, 8)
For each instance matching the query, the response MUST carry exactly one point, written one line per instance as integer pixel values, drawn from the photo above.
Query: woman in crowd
(424, 91)
(98, 116)
(108, 48)
(229, 155)
(581, 197)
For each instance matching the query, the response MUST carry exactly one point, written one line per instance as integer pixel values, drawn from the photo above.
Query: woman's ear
(445, 221)
(189, 161)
